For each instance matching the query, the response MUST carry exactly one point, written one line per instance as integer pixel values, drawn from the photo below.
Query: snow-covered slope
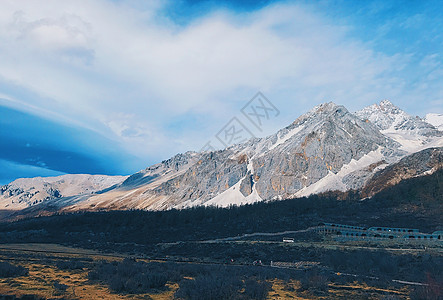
(25, 192)
(367, 165)
(436, 120)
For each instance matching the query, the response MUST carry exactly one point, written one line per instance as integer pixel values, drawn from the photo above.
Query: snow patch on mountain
(411, 142)
(233, 196)
(334, 181)
(436, 120)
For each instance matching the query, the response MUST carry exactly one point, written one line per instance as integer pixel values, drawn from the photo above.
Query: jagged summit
(326, 106)
(384, 115)
(387, 105)
(326, 120)
(323, 109)
(387, 116)
(413, 133)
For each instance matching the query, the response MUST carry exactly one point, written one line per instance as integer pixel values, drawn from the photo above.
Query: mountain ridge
(328, 148)
(24, 192)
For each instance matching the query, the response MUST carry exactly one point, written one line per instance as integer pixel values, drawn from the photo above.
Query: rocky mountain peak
(388, 106)
(320, 113)
(384, 115)
(388, 117)
(412, 133)
(325, 107)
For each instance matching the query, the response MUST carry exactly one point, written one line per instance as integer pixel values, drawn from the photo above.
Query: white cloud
(135, 71)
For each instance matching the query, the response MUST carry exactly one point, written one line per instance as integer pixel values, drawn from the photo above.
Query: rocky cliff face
(327, 148)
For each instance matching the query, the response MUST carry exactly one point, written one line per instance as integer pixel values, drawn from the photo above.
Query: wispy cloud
(9, 171)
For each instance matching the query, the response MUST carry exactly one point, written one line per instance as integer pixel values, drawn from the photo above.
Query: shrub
(130, 276)
(314, 281)
(213, 287)
(70, 265)
(256, 290)
(60, 288)
(9, 270)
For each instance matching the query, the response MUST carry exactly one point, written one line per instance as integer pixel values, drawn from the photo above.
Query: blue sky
(111, 87)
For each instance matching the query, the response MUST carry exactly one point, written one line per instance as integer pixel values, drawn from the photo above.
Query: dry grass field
(46, 280)
(282, 291)
(43, 274)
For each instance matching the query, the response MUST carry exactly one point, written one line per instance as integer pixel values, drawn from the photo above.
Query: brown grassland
(43, 273)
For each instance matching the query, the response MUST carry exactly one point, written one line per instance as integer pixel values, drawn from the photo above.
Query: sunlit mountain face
(327, 149)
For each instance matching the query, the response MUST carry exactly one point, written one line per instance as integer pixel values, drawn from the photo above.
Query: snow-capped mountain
(413, 133)
(324, 143)
(318, 144)
(328, 148)
(25, 192)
